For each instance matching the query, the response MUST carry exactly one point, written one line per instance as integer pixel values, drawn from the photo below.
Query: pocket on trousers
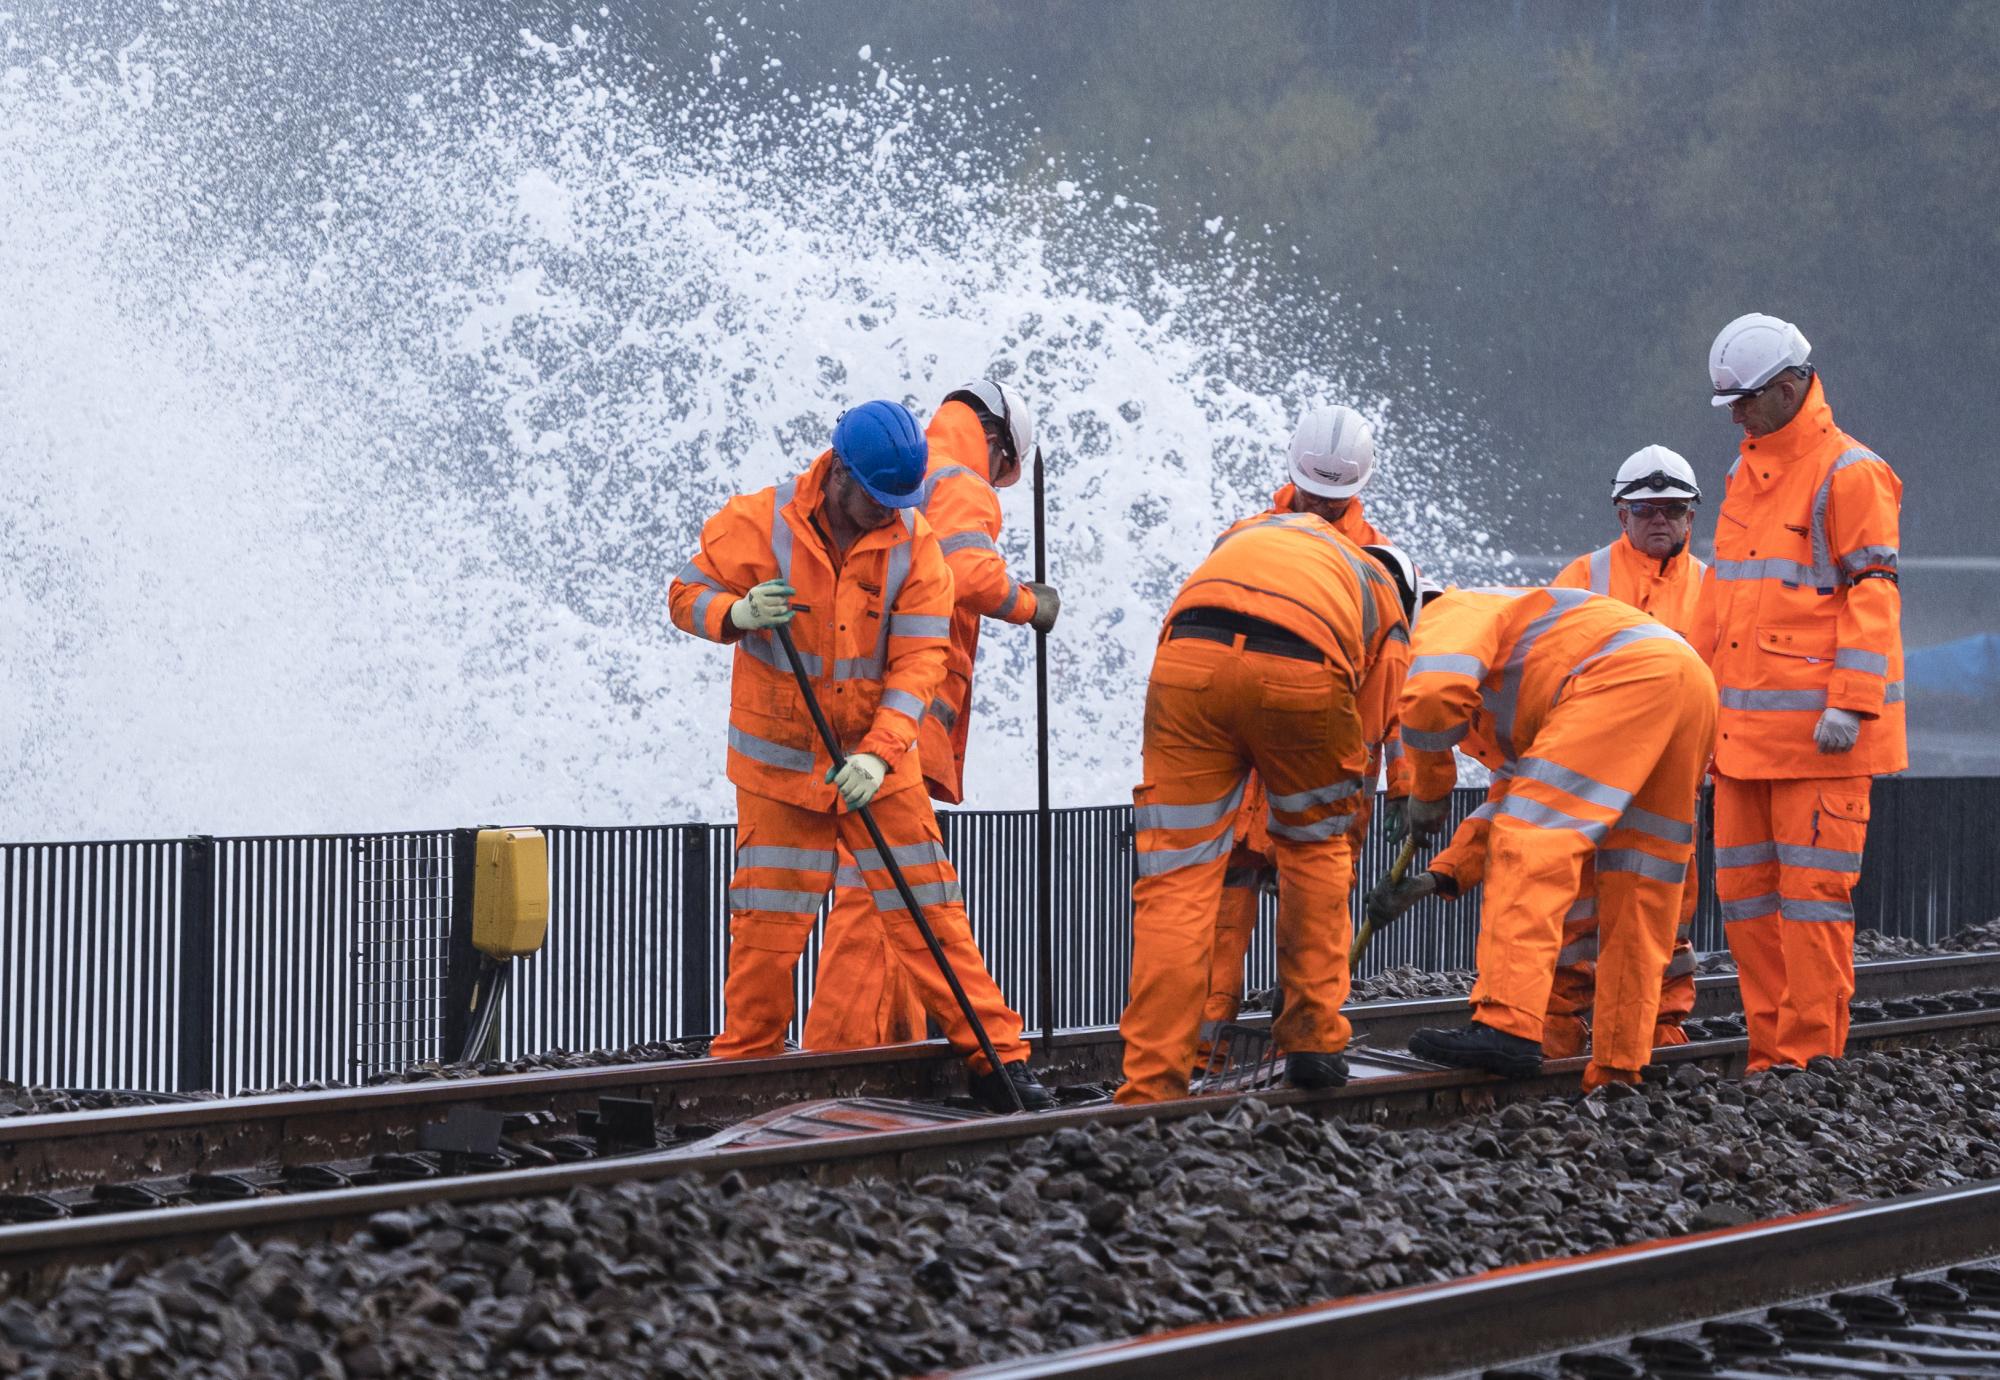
(1841, 821)
(1175, 674)
(1298, 699)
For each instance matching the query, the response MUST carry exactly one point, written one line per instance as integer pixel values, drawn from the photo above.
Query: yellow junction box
(510, 892)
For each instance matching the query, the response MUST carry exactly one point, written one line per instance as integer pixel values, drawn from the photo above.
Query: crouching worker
(1276, 654)
(837, 555)
(1597, 723)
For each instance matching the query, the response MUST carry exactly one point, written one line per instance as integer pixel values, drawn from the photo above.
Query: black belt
(1258, 634)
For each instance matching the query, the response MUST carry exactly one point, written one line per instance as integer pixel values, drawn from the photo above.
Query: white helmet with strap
(1333, 452)
(1006, 404)
(1411, 587)
(1751, 351)
(1655, 472)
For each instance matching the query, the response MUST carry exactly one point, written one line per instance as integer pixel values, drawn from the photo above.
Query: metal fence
(229, 964)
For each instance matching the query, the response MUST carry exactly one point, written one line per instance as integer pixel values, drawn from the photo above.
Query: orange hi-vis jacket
(964, 511)
(1296, 571)
(871, 627)
(1801, 610)
(1490, 664)
(1353, 524)
(1665, 591)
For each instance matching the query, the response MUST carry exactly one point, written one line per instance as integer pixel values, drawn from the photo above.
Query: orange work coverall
(1801, 611)
(1297, 698)
(1665, 591)
(862, 996)
(871, 625)
(1597, 723)
(1250, 866)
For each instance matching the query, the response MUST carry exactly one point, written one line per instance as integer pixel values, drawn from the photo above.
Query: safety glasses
(1670, 509)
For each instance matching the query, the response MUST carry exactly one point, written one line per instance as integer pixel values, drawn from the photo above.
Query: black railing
(228, 964)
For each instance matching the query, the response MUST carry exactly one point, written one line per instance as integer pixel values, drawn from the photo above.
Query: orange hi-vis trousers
(864, 996)
(1235, 922)
(785, 861)
(1787, 856)
(1565, 1027)
(1612, 774)
(1214, 710)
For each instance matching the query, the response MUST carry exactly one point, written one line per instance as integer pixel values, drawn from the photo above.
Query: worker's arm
(965, 513)
(1702, 636)
(1442, 693)
(919, 633)
(734, 554)
(1463, 860)
(1863, 533)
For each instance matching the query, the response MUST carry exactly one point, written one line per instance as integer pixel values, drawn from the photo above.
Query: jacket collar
(1803, 434)
(1676, 564)
(957, 438)
(809, 494)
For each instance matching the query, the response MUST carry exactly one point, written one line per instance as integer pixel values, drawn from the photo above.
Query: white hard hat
(1411, 586)
(1333, 452)
(1006, 404)
(1655, 472)
(1751, 351)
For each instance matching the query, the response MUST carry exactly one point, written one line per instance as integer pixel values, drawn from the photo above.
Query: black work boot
(1315, 1071)
(989, 1090)
(1480, 1047)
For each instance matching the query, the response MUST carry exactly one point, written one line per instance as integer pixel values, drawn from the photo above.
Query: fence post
(697, 943)
(195, 1017)
(461, 965)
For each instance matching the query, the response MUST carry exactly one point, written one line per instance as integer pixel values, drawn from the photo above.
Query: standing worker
(1282, 653)
(838, 555)
(1801, 619)
(1597, 723)
(979, 440)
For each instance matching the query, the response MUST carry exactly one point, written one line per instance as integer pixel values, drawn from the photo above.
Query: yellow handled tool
(1397, 871)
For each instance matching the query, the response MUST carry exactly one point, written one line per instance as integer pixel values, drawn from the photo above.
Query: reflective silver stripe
(849, 877)
(1581, 950)
(1441, 741)
(903, 702)
(1641, 864)
(1573, 782)
(700, 614)
(1159, 863)
(967, 541)
(1501, 701)
(1822, 551)
(1681, 964)
(1486, 811)
(781, 531)
(1013, 597)
(1200, 816)
(692, 574)
(920, 625)
(1548, 817)
(1583, 908)
(1827, 859)
(764, 647)
(1854, 659)
(1624, 637)
(1317, 832)
(893, 578)
(792, 859)
(1600, 570)
(1751, 907)
(1774, 568)
(944, 714)
(1683, 933)
(769, 753)
(1659, 826)
(1869, 558)
(1746, 854)
(929, 894)
(1305, 800)
(937, 477)
(1892, 693)
(1816, 912)
(857, 668)
(1772, 701)
(920, 854)
(1392, 751)
(773, 898)
(1450, 664)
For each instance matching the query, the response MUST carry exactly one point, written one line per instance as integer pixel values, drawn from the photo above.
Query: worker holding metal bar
(838, 556)
(1282, 653)
(979, 440)
(1801, 619)
(1597, 723)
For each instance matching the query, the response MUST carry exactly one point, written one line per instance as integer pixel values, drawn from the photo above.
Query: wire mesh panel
(401, 933)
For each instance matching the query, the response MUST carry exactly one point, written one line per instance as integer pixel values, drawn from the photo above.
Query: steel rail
(1400, 1098)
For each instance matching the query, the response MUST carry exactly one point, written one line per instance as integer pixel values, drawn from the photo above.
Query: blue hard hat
(885, 450)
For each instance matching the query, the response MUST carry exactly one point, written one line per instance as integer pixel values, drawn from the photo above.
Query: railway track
(827, 1141)
(1904, 1287)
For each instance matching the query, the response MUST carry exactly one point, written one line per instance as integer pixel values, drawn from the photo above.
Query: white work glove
(1047, 605)
(859, 779)
(768, 605)
(1838, 730)
(1426, 817)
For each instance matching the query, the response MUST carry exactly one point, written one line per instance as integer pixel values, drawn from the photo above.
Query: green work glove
(1047, 605)
(768, 605)
(1394, 826)
(859, 778)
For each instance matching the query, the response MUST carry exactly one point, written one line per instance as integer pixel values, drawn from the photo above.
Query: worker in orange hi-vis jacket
(979, 441)
(1597, 723)
(839, 556)
(1649, 567)
(1332, 458)
(1282, 654)
(1801, 619)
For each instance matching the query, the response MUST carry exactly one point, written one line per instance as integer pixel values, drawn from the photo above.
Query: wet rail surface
(248, 1146)
(1906, 1286)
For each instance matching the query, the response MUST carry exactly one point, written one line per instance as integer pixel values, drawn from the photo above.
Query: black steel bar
(462, 962)
(1045, 924)
(196, 1005)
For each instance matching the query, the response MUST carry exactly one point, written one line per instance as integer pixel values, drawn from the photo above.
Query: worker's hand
(1838, 730)
(1048, 604)
(1386, 904)
(1394, 824)
(768, 605)
(859, 779)
(1425, 817)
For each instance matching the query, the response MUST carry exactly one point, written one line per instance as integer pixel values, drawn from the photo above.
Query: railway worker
(1597, 723)
(1332, 457)
(839, 555)
(979, 439)
(1282, 653)
(1801, 620)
